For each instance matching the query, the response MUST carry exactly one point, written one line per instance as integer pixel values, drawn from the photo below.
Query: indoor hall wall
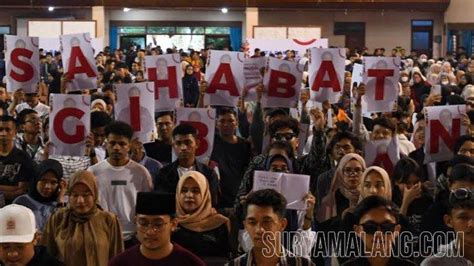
(172, 15)
(460, 11)
(388, 31)
(17, 18)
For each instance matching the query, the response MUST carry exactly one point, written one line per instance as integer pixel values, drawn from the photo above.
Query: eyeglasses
(352, 171)
(34, 121)
(143, 226)
(371, 227)
(284, 136)
(462, 194)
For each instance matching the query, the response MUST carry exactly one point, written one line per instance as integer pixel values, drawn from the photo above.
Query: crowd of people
(129, 203)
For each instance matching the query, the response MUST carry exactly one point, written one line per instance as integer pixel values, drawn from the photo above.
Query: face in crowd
(378, 228)
(154, 231)
(185, 146)
(165, 126)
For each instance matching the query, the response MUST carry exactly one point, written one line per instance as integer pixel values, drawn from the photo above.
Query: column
(251, 19)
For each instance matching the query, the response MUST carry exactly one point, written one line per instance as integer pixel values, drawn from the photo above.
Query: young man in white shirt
(120, 179)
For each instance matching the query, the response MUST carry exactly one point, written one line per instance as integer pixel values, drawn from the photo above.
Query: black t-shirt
(16, 167)
(159, 151)
(43, 258)
(417, 210)
(232, 161)
(212, 243)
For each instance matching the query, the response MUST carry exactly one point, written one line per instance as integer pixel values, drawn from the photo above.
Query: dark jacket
(167, 179)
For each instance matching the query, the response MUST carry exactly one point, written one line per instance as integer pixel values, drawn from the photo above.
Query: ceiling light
(51, 8)
(224, 10)
(126, 9)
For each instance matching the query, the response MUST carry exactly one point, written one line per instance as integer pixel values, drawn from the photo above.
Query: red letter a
(229, 84)
(333, 82)
(84, 67)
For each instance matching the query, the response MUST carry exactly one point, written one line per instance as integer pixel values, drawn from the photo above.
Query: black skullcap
(154, 203)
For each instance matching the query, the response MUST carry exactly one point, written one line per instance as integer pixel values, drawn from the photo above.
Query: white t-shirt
(118, 188)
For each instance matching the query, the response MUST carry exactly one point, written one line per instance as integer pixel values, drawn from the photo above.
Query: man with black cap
(155, 219)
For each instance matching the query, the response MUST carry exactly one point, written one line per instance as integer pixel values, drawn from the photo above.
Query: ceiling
(420, 5)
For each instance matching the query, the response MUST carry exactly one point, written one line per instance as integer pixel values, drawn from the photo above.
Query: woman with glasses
(344, 192)
(83, 234)
(46, 192)
(198, 222)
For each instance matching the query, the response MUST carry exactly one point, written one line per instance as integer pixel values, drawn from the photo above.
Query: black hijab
(44, 167)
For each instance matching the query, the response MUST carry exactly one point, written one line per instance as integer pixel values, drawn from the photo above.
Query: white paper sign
(225, 78)
(78, 61)
(294, 187)
(381, 77)
(135, 106)
(22, 63)
(166, 73)
(357, 74)
(97, 45)
(49, 44)
(283, 83)
(282, 45)
(443, 127)
(253, 72)
(69, 124)
(203, 119)
(302, 137)
(326, 74)
(384, 153)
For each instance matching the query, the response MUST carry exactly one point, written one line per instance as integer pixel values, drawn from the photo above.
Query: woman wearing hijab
(200, 228)
(190, 87)
(83, 234)
(46, 192)
(419, 88)
(373, 182)
(344, 192)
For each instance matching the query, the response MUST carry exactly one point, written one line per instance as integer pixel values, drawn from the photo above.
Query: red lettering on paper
(438, 131)
(171, 83)
(333, 82)
(281, 80)
(28, 71)
(225, 71)
(84, 67)
(59, 127)
(201, 136)
(380, 75)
